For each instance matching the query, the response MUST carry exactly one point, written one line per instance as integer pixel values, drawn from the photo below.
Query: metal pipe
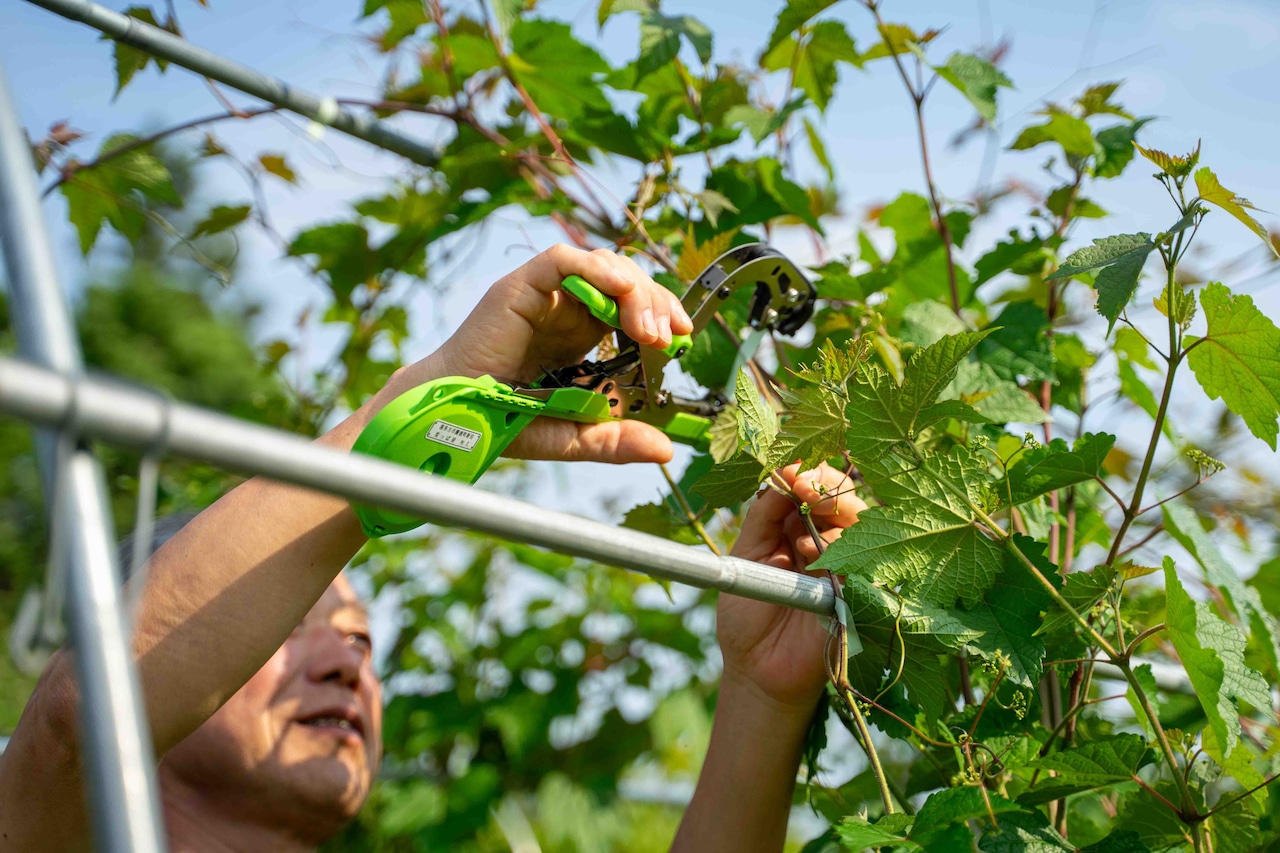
(127, 416)
(179, 51)
(116, 741)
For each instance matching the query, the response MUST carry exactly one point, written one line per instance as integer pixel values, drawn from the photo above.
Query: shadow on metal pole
(115, 741)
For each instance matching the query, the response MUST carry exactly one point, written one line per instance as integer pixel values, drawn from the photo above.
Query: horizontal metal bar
(179, 51)
(131, 417)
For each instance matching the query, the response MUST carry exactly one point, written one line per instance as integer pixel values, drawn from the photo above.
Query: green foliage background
(1013, 541)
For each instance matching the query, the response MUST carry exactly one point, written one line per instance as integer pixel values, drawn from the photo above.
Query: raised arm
(773, 676)
(225, 592)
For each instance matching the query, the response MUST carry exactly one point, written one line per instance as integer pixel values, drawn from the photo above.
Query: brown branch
(71, 169)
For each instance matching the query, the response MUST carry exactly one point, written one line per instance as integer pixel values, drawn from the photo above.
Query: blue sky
(1204, 70)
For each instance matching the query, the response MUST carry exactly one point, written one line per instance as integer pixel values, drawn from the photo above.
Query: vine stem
(1188, 805)
(918, 94)
(690, 515)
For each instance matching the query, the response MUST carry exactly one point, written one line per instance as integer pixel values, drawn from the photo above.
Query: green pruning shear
(456, 427)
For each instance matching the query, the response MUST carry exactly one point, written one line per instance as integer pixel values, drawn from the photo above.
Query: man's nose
(334, 659)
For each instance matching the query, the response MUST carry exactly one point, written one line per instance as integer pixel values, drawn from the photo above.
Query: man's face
(303, 738)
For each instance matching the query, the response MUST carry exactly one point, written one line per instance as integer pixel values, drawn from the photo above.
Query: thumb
(612, 441)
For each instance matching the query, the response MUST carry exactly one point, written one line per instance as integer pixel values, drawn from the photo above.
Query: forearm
(743, 797)
(227, 590)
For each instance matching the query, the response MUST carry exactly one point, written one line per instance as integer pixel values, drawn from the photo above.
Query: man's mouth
(347, 725)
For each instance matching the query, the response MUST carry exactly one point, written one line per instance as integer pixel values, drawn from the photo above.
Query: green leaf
(1097, 764)
(814, 59)
(724, 434)
(661, 520)
(1135, 389)
(819, 149)
(1120, 841)
(1115, 148)
(883, 415)
(507, 12)
(1073, 134)
(1184, 305)
(1009, 615)
(558, 70)
(1015, 254)
(952, 806)
(1096, 100)
(1182, 523)
(731, 483)
(1104, 252)
(1170, 164)
(1082, 590)
(342, 252)
(926, 537)
(276, 165)
(1122, 258)
(1146, 678)
(1239, 359)
(794, 14)
(660, 37)
(815, 427)
(131, 60)
(609, 8)
(116, 191)
(221, 218)
(1053, 466)
(1215, 193)
(896, 39)
(757, 420)
(998, 400)
(976, 79)
(1212, 651)
(1019, 345)
(858, 834)
(761, 123)
(1024, 832)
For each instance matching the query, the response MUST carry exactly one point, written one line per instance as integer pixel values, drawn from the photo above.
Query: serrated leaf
(115, 191)
(995, 399)
(1009, 615)
(1024, 832)
(858, 834)
(1082, 590)
(1212, 651)
(608, 8)
(221, 218)
(952, 806)
(695, 257)
(1215, 193)
(130, 60)
(794, 14)
(276, 165)
(815, 427)
(724, 435)
(559, 71)
(1239, 359)
(814, 59)
(1054, 466)
(1115, 148)
(1104, 252)
(761, 123)
(926, 537)
(1120, 841)
(976, 79)
(1170, 164)
(730, 483)
(1238, 764)
(1182, 523)
(896, 39)
(660, 37)
(757, 420)
(661, 520)
(1184, 305)
(1015, 254)
(1147, 680)
(1019, 344)
(1073, 134)
(1097, 764)
(507, 12)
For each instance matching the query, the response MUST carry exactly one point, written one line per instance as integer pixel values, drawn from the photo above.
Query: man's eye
(361, 639)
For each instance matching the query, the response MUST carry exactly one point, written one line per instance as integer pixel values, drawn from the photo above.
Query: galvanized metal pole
(127, 416)
(116, 742)
(179, 51)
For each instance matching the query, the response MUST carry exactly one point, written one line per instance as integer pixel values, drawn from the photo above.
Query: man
(254, 656)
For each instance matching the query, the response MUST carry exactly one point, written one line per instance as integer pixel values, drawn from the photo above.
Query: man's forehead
(340, 599)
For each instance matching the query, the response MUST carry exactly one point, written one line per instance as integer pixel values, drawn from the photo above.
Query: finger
(666, 303)
(646, 319)
(828, 492)
(548, 269)
(612, 441)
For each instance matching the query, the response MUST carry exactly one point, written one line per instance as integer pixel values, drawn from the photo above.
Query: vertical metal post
(115, 739)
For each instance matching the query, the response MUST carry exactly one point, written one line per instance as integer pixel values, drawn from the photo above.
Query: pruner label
(454, 436)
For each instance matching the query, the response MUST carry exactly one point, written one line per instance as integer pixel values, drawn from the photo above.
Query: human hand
(773, 652)
(526, 323)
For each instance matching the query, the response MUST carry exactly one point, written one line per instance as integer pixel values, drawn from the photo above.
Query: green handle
(604, 309)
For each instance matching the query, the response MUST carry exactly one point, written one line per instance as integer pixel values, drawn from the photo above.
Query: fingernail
(646, 322)
(664, 329)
